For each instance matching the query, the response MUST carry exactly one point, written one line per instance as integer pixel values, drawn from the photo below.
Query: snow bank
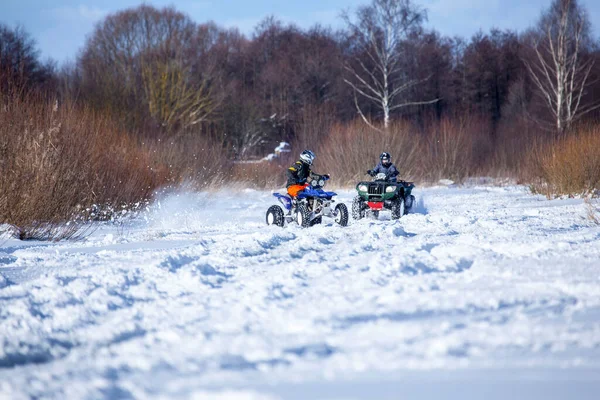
(202, 300)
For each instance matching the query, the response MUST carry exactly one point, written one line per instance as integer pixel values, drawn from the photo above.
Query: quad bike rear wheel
(275, 216)
(303, 216)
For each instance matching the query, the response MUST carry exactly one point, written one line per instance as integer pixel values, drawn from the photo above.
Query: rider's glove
(370, 172)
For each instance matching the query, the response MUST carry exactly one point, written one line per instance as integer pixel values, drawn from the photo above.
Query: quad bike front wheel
(358, 212)
(275, 216)
(341, 214)
(398, 209)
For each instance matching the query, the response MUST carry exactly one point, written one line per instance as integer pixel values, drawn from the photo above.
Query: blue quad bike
(309, 207)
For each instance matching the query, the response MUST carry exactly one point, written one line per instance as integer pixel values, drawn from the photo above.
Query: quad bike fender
(285, 200)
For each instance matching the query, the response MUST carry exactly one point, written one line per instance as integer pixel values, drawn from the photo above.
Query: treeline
(161, 74)
(192, 98)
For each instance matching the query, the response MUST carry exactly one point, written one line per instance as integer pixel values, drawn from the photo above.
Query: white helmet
(307, 156)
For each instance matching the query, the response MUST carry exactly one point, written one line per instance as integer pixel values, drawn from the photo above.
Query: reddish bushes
(57, 159)
(570, 165)
(350, 150)
(455, 149)
(197, 161)
(258, 175)
(449, 148)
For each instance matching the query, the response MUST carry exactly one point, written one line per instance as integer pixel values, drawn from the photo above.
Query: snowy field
(481, 293)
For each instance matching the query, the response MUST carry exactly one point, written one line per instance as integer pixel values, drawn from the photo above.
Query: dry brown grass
(455, 148)
(352, 149)
(263, 175)
(61, 166)
(570, 165)
(514, 146)
(593, 211)
(449, 148)
(58, 159)
(199, 162)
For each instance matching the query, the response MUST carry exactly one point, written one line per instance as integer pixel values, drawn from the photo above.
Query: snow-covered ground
(481, 293)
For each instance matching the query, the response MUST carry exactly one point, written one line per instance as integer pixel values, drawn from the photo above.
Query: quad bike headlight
(390, 189)
(363, 188)
(322, 182)
(314, 182)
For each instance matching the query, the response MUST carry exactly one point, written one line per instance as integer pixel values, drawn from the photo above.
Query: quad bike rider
(300, 172)
(385, 192)
(386, 167)
(306, 201)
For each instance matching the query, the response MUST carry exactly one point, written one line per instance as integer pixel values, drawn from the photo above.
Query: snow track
(203, 297)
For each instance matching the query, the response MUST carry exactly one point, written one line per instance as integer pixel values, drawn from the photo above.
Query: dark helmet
(386, 158)
(307, 156)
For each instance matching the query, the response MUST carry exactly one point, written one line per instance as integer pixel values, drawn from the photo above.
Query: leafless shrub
(450, 148)
(199, 161)
(455, 148)
(50, 231)
(515, 144)
(261, 175)
(56, 160)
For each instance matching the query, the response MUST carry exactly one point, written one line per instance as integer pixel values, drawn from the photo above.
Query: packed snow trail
(487, 289)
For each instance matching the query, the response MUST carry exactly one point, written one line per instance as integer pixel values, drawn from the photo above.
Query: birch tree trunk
(560, 70)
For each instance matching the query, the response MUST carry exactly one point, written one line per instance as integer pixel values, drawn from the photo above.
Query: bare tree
(20, 65)
(144, 62)
(376, 70)
(560, 69)
(172, 99)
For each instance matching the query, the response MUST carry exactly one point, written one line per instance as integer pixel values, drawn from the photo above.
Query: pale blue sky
(60, 26)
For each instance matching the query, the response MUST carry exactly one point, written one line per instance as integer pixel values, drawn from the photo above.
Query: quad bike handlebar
(380, 177)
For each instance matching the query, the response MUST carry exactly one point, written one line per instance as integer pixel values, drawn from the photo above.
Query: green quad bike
(379, 195)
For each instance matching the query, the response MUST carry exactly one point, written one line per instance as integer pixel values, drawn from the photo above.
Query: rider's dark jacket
(298, 173)
(390, 171)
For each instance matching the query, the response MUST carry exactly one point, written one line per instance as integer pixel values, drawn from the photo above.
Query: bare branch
(357, 89)
(362, 115)
(414, 103)
(380, 29)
